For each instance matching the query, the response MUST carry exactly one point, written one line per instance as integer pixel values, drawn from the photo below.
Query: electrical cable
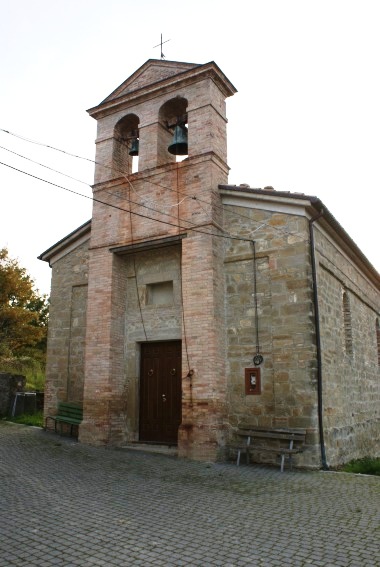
(229, 211)
(184, 228)
(85, 183)
(128, 200)
(144, 203)
(45, 166)
(30, 141)
(257, 359)
(182, 302)
(135, 271)
(302, 239)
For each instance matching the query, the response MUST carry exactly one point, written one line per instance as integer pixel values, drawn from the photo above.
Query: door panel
(160, 391)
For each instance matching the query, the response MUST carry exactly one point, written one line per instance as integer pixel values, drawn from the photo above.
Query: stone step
(153, 448)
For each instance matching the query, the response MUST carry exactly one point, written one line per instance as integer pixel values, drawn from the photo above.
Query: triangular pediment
(153, 71)
(158, 74)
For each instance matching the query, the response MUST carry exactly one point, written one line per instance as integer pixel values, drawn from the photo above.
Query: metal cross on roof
(160, 45)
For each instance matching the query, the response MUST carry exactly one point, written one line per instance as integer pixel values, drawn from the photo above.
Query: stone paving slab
(67, 504)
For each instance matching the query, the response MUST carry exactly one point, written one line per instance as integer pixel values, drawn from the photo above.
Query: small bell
(134, 151)
(179, 147)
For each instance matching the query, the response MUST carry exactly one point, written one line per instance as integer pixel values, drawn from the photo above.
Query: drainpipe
(318, 341)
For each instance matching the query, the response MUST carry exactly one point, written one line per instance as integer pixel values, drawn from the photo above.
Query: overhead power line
(187, 195)
(184, 228)
(144, 205)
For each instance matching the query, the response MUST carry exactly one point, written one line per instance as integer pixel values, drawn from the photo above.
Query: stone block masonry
(349, 310)
(284, 319)
(67, 328)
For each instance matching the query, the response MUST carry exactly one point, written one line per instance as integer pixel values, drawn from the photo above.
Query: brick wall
(206, 129)
(161, 186)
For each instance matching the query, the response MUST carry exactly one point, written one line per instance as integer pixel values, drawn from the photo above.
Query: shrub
(36, 419)
(366, 465)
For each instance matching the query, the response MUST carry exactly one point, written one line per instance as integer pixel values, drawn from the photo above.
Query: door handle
(163, 397)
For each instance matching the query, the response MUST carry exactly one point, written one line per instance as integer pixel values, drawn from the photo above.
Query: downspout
(318, 341)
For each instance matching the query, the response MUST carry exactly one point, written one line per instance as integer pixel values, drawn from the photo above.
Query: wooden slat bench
(281, 441)
(68, 412)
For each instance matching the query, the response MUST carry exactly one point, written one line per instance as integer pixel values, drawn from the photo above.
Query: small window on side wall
(347, 324)
(160, 293)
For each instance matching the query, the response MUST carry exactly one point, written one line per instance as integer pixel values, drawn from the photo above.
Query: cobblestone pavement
(63, 503)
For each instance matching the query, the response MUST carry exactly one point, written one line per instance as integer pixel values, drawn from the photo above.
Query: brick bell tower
(156, 261)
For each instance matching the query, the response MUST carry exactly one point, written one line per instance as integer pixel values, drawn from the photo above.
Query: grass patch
(33, 370)
(367, 465)
(36, 419)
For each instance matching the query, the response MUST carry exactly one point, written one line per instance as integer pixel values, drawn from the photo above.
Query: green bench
(281, 441)
(69, 413)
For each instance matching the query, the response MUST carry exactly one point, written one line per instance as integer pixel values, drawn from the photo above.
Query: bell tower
(161, 152)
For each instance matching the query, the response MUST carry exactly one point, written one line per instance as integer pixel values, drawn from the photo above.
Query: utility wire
(45, 166)
(222, 207)
(135, 270)
(181, 286)
(111, 194)
(184, 228)
(225, 209)
(94, 199)
(108, 192)
(45, 145)
(143, 204)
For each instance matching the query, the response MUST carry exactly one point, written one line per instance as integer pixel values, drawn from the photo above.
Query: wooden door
(160, 392)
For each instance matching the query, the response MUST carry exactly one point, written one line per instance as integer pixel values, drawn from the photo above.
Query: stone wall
(10, 384)
(285, 321)
(66, 331)
(349, 309)
(349, 314)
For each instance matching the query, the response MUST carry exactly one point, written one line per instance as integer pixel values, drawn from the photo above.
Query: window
(348, 342)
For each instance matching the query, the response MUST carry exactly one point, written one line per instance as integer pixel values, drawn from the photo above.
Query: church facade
(187, 306)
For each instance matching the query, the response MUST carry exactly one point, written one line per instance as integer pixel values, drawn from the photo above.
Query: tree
(23, 312)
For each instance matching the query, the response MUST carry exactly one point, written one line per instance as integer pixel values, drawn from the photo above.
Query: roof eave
(72, 238)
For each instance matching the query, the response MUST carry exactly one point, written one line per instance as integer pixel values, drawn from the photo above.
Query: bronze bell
(179, 147)
(134, 151)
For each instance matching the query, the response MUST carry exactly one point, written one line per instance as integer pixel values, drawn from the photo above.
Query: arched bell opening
(126, 145)
(173, 134)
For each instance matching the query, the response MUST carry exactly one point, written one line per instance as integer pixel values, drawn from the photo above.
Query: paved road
(65, 504)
